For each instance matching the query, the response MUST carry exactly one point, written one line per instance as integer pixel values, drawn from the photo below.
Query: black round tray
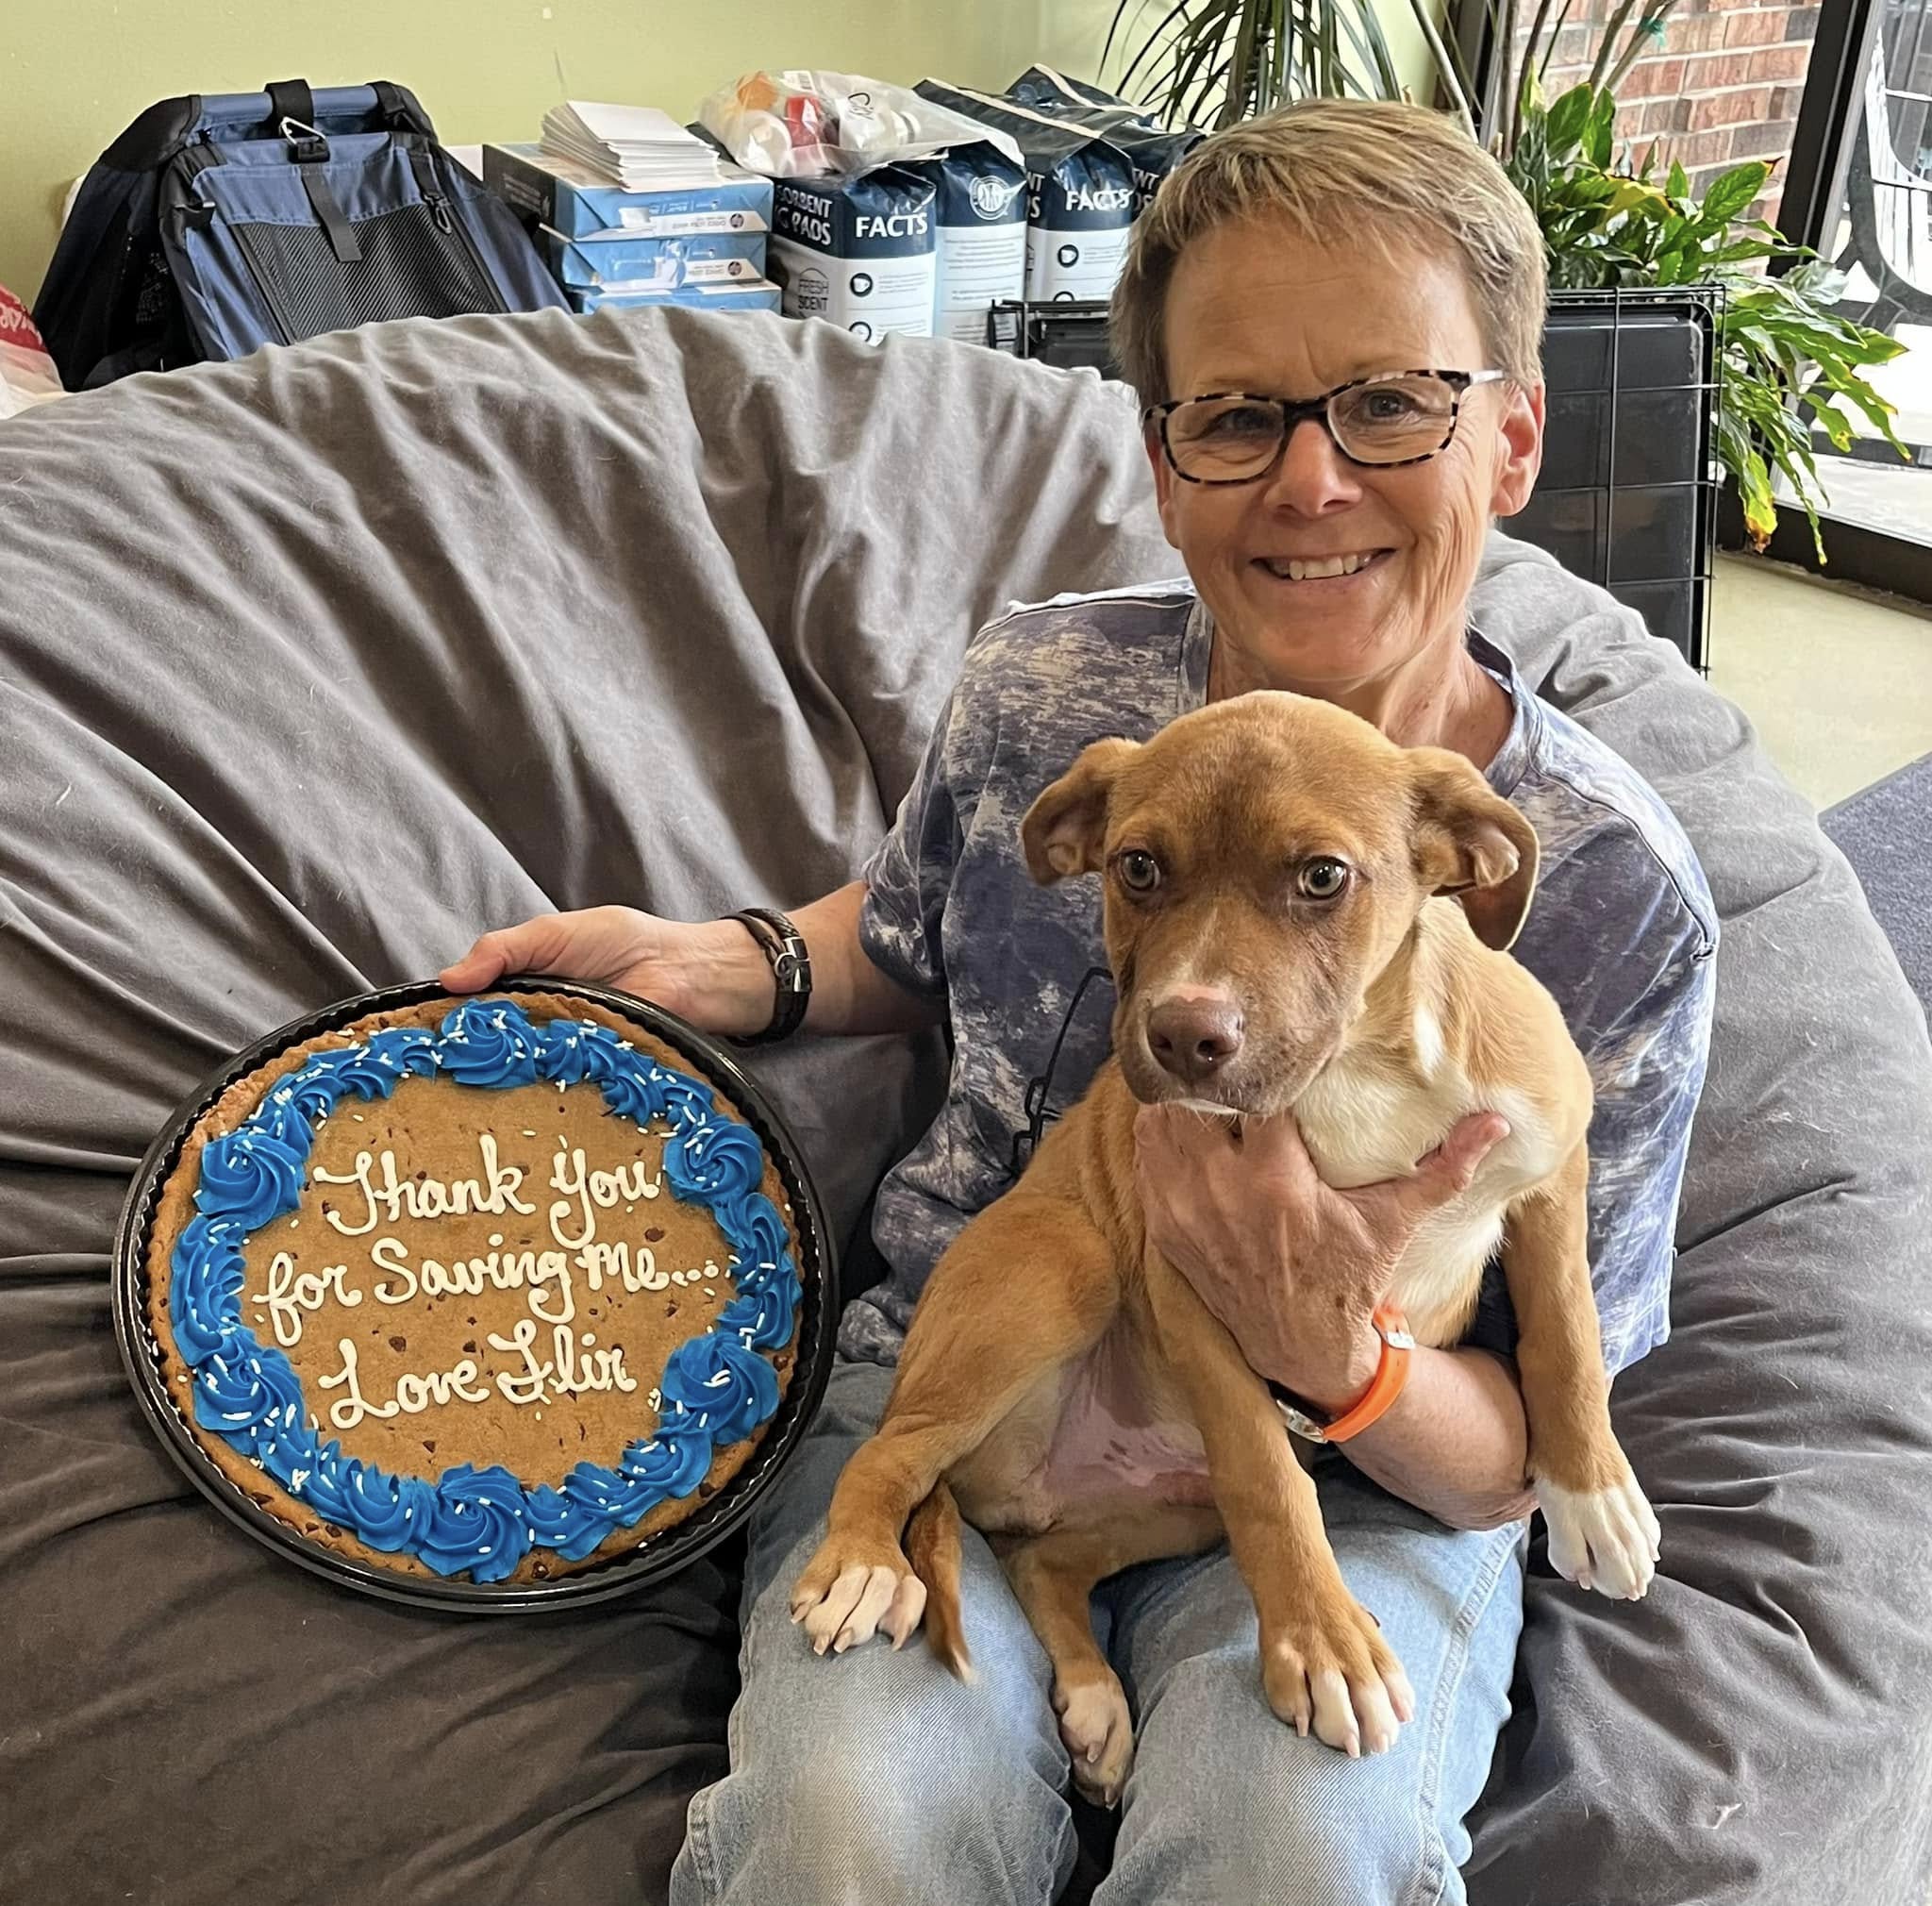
(657, 1555)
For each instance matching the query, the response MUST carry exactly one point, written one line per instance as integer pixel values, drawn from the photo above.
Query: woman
(1333, 316)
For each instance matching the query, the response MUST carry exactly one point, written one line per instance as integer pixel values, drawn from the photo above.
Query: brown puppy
(1272, 867)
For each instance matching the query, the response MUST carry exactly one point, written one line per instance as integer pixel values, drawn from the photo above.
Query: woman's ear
(1519, 447)
(1163, 480)
(1065, 829)
(1469, 842)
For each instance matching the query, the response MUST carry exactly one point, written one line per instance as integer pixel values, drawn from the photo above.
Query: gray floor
(1884, 830)
(1838, 681)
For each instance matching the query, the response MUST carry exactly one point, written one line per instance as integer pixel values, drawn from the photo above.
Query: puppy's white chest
(1368, 1120)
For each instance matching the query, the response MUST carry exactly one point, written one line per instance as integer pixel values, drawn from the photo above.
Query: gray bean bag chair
(313, 665)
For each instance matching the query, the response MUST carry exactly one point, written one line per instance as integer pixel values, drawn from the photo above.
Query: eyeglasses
(1039, 1113)
(1232, 437)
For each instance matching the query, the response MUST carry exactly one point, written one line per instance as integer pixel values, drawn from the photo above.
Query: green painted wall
(73, 72)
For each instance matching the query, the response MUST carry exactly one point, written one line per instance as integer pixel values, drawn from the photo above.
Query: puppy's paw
(850, 1590)
(1330, 1670)
(1099, 1736)
(1605, 1539)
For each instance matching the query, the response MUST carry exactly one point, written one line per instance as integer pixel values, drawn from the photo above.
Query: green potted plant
(1787, 362)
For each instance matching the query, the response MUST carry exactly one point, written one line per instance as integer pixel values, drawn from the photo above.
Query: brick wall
(1724, 87)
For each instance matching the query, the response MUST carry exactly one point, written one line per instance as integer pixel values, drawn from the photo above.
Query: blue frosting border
(716, 1388)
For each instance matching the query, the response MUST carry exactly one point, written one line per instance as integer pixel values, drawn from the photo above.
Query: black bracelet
(783, 946)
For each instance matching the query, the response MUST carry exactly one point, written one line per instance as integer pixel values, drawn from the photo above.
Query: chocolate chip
(670, 1309)
(652, 1235)
(705, 1490)
(399, 1342)
(471, 1346)
(541, 1570)
(429, 1445)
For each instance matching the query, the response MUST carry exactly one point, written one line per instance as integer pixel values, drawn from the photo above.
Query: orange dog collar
(1391, 1373)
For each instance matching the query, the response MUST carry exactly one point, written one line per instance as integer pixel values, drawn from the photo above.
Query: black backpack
(216, 224)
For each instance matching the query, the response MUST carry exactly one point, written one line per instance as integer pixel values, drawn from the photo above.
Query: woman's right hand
(709, 972)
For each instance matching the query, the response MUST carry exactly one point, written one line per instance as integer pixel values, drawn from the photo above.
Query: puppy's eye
(1324, 878)
(1139, 870)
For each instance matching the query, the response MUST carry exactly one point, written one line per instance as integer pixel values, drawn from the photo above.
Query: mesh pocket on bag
(410, 268)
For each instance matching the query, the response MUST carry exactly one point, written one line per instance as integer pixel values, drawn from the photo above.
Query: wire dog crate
(1630, 486)
(1628, 492)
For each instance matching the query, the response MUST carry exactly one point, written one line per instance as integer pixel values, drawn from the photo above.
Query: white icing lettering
(524, 1386)
(581, 1369)
(358, 1177)
(291, 1292)
(553, 1267)
(351, 1409)
(600, 1260)
(533, 1271)
(414, 1394)
(387, 1197)
(576, 1368)
(567, 1176)
(590, 1192)
(613, 1261)
(387, 1293)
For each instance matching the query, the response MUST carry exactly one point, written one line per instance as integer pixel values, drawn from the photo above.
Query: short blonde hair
(1390, 173)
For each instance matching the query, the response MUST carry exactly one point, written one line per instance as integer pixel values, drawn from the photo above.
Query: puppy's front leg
(1324, 1662)
(1603, 1533)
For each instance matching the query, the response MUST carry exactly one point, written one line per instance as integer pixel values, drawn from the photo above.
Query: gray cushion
(312, 665)
(311, 668)
(1753, 1730)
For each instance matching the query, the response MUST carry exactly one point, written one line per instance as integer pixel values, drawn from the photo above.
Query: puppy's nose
(1194, 1035)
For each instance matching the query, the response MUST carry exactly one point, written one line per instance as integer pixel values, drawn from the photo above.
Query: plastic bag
(26, 372)
(798, 123)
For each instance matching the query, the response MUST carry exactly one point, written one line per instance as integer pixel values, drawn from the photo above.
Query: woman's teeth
(1314, 571)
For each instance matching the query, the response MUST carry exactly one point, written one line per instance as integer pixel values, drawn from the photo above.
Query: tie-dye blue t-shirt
(1622, 932)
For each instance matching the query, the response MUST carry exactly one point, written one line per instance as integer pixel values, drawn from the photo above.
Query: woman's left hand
(1291, 1268)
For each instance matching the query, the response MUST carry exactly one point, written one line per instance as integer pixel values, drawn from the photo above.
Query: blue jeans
(876, 1779)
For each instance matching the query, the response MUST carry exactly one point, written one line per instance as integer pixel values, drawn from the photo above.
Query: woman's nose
(1312, 476)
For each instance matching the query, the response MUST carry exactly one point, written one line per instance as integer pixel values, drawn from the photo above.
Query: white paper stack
(633, 146)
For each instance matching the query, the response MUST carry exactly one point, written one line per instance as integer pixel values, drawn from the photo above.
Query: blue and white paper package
(1081, 194)
(619, 257)
(744, 294)
(858, 252)
(573, 200)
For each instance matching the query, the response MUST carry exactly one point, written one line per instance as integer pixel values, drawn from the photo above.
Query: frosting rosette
(250, 1175)
(726, 1387)
(489, 1043)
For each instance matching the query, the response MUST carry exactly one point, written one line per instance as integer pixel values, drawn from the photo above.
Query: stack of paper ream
(699, 243)
(633, 146)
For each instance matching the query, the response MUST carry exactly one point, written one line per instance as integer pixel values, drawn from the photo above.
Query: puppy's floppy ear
(1471, 843)
(1065, 829)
